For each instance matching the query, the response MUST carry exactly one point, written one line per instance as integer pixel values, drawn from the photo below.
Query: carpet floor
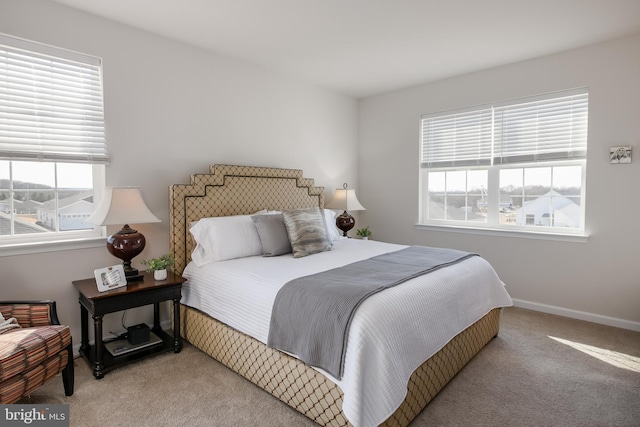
(541, 370)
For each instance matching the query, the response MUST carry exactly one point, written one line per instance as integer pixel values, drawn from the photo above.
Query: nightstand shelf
(135, 294)
(110, 362)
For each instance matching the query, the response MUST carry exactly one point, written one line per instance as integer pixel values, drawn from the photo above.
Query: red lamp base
(345, 222)
(126, 244)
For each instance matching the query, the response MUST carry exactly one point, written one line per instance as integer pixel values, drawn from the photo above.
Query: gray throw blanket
(311, 315)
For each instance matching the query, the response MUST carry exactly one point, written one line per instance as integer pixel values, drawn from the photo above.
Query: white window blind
(458, 139)
(51, 105)
(549, 127)
(546, 129)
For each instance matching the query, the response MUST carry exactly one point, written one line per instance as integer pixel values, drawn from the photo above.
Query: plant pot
(365, 238)
(160, 274)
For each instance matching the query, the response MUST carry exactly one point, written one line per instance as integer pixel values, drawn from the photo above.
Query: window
(52, 142)
(517, 165)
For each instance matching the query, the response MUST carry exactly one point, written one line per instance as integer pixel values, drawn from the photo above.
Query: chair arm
(31, 313)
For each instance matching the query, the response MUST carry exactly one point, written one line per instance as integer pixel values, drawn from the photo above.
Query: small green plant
(163, 262)
(363, 232)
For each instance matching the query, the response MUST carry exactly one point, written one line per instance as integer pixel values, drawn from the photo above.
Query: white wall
(172, 110)
(598, 280)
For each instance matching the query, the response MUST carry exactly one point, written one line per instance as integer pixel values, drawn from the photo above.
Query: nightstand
(135, 294)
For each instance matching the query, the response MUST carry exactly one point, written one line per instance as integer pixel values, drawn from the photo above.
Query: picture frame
(620, 154)
(109, 278)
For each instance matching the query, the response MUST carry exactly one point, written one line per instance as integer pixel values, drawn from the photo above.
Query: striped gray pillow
(307, 231)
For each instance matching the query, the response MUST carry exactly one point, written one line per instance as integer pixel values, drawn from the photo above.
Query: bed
(244, 190)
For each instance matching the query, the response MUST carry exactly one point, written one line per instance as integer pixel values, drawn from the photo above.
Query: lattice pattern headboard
(234, 190)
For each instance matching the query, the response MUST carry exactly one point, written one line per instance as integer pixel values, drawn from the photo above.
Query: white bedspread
(392, 333)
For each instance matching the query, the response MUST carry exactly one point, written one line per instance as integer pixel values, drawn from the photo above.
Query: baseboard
(580, 315)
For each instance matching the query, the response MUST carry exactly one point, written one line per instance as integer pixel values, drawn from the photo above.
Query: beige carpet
(542, 370)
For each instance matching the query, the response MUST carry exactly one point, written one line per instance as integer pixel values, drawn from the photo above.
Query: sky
(70, 175)
(563, 177)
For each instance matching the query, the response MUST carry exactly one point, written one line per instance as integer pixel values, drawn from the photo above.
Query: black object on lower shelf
(138, 334)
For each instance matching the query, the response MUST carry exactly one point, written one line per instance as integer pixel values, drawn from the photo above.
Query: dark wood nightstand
(135, 294)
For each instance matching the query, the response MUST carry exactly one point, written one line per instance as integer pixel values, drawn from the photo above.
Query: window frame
(492, 226)
(85, 143)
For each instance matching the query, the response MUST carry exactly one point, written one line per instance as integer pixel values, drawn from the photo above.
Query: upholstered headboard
(234, 190)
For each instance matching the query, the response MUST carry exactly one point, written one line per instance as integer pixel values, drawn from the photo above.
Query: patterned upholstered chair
(34, 353)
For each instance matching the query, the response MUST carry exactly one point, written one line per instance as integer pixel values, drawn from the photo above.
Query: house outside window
(530, 219)
(514, 166)
(52, 143)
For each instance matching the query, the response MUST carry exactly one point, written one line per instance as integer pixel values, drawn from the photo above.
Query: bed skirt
(310, 392)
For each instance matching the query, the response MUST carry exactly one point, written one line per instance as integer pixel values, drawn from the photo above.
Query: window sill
(575, 238)
(53, 246)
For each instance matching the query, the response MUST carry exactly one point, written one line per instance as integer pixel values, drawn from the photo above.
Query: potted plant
(159, 265)
(364, 233)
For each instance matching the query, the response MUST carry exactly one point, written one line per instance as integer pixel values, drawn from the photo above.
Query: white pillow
(330, 219)
(224, 237)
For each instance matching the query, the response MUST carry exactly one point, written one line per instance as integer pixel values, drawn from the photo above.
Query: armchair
(34, 353)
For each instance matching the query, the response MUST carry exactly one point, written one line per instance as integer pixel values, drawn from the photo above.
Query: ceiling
(366, 47)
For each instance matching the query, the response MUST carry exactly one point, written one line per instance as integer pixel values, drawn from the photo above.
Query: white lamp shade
(122, 205)
(345, 199)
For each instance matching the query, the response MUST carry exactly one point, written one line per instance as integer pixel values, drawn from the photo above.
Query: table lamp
(124, 205)
(346, 200)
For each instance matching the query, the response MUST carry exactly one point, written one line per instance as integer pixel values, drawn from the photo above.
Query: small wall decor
(620, 154)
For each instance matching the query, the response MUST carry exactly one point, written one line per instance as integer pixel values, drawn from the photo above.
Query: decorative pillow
(224, 237)
(307, 231)
(273, 234)
(8, 324)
